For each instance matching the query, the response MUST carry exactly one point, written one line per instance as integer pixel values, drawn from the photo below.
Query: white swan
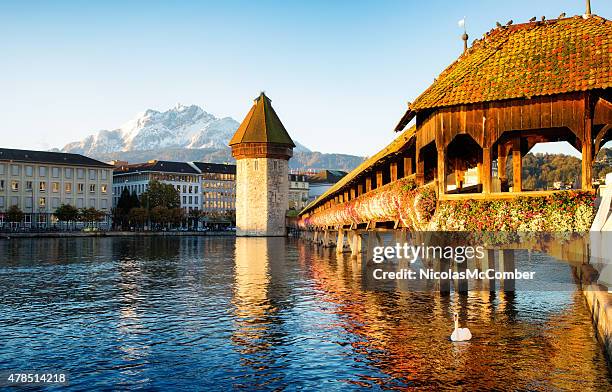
(460, 334)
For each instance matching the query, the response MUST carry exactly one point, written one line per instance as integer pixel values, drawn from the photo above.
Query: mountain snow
(180, 127)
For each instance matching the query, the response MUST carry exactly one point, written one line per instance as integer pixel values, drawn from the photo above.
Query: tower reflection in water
(259, 274)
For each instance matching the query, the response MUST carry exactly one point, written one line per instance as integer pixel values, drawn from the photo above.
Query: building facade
(38, 182)
(298, 191)
(218, 185)
(262, 148)
(208, 187)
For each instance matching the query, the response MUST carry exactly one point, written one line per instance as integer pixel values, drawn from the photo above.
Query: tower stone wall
(262, 187)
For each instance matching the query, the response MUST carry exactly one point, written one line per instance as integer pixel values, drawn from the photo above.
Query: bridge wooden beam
(407, 166)
(441, 171)
(379, 178)
(517, 164)
(359, 189)
(485, 173)
(393, 171)
(368, 184)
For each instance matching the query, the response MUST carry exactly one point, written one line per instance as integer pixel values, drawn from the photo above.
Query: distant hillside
(300, 160)
(540, 171)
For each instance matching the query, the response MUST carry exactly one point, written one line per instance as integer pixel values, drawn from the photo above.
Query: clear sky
(339, 73)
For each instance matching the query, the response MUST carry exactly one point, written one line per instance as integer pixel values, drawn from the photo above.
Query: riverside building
(183, 176)
(38, 182)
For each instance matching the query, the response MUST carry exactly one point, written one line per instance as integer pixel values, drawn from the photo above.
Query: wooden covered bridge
(517, 86)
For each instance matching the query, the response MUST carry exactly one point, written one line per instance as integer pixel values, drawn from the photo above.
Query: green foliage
(66, 213)
(160, 195)
(410, 185)
(90, 215)
(14, 214)
(138, 215)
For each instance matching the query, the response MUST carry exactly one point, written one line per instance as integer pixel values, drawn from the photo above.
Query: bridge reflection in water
(396, 338)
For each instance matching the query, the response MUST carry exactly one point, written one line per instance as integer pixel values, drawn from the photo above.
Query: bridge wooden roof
(524, 61)
(398, 144)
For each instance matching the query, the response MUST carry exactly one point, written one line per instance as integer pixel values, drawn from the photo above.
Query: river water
(197, 313)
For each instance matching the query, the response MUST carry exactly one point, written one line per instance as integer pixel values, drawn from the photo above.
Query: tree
(134, 201)
(160, 195)
(159, 215)
(138, 216)
(90, 215)
(195, 215)
(176, 215)
(66, 213)
(14, 214)
(125, 201)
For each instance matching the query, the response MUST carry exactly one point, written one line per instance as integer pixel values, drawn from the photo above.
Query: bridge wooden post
(587, 152)
(354, 242)
(368, 183)
(444, 284)
(441, 171)
(506, 264)
(486, 170)
(488, 262)
(461, 285)
(393, 171)
(379, 178)
(517, 164)
(340, 241)
(359, 189)
(502, 156)
(407, 166)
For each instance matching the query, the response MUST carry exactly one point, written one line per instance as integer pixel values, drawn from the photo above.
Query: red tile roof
(527, 60)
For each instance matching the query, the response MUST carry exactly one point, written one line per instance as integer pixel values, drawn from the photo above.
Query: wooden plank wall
(486, 122)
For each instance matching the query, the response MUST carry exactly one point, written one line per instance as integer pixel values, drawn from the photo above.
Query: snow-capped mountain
(186, 133)
(181, 126)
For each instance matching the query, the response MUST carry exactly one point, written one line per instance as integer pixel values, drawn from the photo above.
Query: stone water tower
(262, 148)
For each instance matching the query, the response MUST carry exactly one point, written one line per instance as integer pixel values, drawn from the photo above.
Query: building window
(68, 172)
(29, 171)
(92, 174)
(1, 185)
(55, 202)
(92, 188)
(104, 175)
(103, 188)
(15, 170)
(1, 201)
(1, 169)
(103, 204)
(80, 173)
(14, 201)
(68, 187)
(42, 171)
(42, 186)
(42, 202)
(184, 188)
(190, 199)
(55, 187)
(28, 202)
(55, 172)
(28, 186)
(196, 199)
(80, 187)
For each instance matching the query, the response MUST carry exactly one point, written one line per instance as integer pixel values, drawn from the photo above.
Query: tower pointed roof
(262, 125)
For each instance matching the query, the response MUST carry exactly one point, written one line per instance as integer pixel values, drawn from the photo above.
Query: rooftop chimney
(465, 37)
